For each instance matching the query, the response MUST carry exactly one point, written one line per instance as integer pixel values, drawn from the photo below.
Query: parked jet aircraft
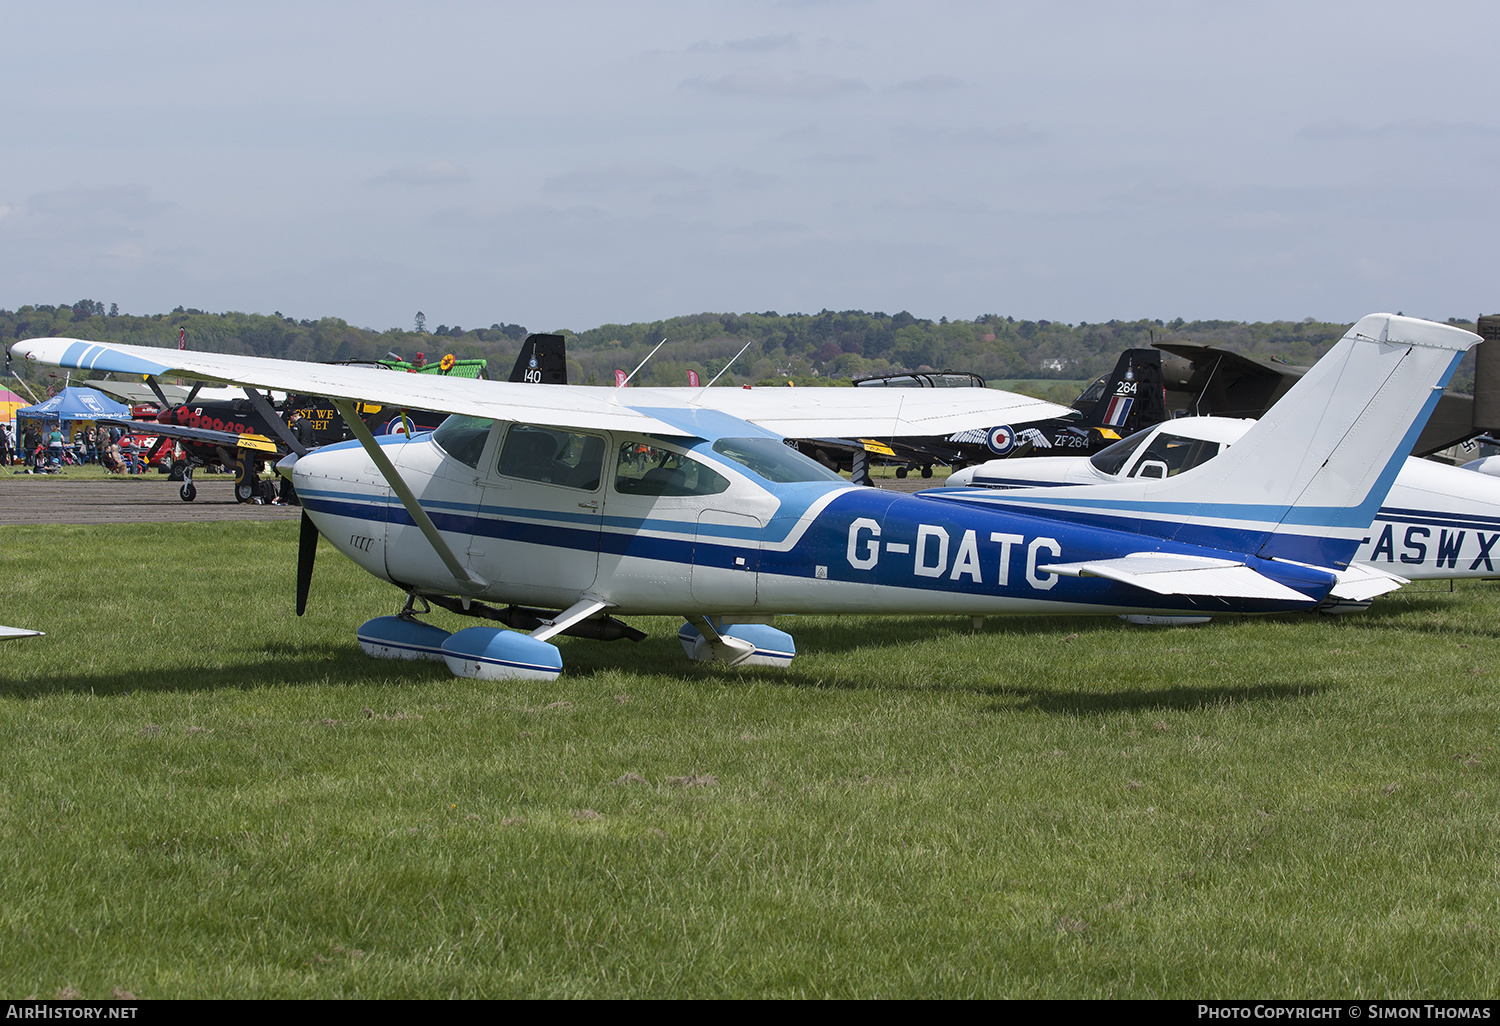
(1437, 523)
(602, 502)
(1122, 402)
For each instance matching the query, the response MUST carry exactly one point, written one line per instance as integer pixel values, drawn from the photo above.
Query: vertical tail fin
(543, 360)
(1134, 395)
(1306, 481)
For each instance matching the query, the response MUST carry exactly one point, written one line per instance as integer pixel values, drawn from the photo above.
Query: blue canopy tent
(75, 404)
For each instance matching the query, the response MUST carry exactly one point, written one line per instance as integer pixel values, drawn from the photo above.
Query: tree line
(829, 347)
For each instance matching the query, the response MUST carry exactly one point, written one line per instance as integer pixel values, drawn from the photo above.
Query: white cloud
(598, 179)
(756, 44)
(439, 172)
(930, 84)
(763, 83)
(1413, 128)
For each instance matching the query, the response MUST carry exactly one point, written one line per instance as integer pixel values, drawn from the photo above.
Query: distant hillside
(823, 348)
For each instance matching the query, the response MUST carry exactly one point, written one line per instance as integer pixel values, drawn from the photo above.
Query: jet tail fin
(1134, 394)
(543, 360)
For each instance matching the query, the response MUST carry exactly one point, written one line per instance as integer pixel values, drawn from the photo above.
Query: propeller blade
(307, 553)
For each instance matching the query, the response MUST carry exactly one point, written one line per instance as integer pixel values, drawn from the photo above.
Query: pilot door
(536, 538)
(694, 537)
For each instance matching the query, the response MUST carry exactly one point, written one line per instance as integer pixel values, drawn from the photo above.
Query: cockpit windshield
(773, 460)
(463, 438)
(1111, 459)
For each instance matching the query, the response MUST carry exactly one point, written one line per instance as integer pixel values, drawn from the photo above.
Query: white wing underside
(791, 412)
(824, 412)
(1170, 574)
(17, 632)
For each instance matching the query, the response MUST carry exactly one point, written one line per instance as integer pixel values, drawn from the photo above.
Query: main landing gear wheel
(246, 477)
(189, 491)
(927, 471)
(901, 472)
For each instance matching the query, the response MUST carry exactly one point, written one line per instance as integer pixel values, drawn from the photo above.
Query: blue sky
(575, 163)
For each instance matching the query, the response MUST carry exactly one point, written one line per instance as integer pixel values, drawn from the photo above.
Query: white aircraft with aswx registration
(1437, 523)
(577, 506)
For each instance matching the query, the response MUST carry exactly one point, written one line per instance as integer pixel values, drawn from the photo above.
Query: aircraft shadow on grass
(1185, 698)
(282, 665)
(340, 665)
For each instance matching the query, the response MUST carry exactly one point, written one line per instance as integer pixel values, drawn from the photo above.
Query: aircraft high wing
(242, 433)
(557, 509)
(785, 411)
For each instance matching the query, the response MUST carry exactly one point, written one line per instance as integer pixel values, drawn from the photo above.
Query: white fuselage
(755, 548)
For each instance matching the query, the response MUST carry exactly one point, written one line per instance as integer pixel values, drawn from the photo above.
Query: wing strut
(584, 608)
(268, 413)
(467, 580)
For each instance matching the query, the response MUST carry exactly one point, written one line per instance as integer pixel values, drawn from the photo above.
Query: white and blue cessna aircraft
(601, 502)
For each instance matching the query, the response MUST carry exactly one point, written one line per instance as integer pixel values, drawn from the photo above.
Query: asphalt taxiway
(26, 499)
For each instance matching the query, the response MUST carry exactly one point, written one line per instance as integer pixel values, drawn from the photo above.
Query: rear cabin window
(646, 470)
(1175, 453)
(552, 456)
(463, 438)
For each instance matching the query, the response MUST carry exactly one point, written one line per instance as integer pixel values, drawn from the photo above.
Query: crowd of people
(40, 447)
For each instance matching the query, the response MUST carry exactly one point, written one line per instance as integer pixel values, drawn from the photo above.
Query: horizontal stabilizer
(1361, 582)
(1167, 573)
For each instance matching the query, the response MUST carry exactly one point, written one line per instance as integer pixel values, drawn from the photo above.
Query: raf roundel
(1001, 440)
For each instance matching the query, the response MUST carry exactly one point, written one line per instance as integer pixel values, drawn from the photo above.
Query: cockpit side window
(646, 470)
(1175, 453)
(552, 456)
(463, 438)
(1110, 460)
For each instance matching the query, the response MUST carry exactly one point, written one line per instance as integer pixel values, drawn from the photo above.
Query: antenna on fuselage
(722, 369)
(642, 363)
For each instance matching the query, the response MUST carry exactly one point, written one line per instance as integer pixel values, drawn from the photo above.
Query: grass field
(203, 795)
